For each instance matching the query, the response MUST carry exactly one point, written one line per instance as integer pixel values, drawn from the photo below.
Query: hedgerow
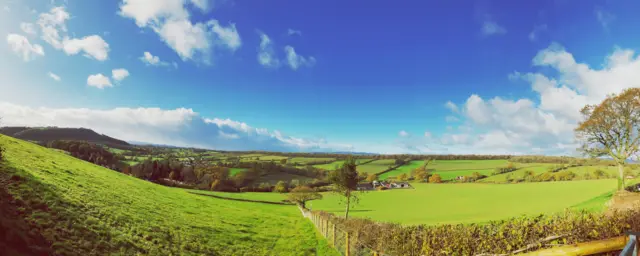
(498, 237)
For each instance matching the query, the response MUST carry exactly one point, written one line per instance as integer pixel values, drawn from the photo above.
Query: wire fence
(346, 243)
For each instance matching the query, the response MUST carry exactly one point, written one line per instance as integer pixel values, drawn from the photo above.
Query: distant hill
(46, 134)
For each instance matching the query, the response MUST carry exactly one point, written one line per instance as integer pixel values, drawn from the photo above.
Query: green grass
(305, 160)
(274, 158)
(407, 168)
(234, 171)
(452, 174)
(376, 166)
(82, 209)
(458, 165)
(329, 166)
(537, 168)
(259, 196)
(471, 202)
(273, 178)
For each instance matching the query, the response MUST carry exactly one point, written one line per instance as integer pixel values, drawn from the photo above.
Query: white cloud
(266, 55)
(99, 81)
(54, 31)
(451, 119)
(93, 46)
(28, 28)
(296, 61)
(23, 48)
(119, 74)
(451, 106)
(604, 17)
(201, 4)
(492, 28)
(543, 124)
(403, 133)
(170, 20)
(54, 77)
(535, 33)
(293, 32)
(151, 60)
(180, 127)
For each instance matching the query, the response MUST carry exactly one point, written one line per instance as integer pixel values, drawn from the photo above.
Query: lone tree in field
(300, 195)
(345, 182)
(612, 129)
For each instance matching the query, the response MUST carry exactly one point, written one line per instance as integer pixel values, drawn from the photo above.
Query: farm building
(400, 185)
(365, 186)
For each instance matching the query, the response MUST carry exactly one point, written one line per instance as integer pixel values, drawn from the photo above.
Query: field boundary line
(240, 199)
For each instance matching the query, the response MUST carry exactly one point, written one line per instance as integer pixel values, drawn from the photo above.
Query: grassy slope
(82, 209)
(407, 168)
(466, 203)
(234, 171)
(305, 160)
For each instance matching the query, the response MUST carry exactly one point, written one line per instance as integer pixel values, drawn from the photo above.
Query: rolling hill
(45, 134)
(54, 204)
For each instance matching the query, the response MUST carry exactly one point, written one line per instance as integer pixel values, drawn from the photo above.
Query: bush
(509, 168)
(435, 178)
(281, 187)
(498, 237)
(1, 152)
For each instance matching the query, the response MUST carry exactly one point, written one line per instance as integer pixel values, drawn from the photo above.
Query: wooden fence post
(333, 242)
(375, 253)
(347, 250)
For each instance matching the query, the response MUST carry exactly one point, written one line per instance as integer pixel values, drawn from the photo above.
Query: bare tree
(612, 128)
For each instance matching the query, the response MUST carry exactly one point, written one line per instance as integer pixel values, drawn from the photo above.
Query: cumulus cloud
(296, 61)
(93, 47)
(119, 74)
(266, 54)
(492, 28)
(180, 127)
(170, 19)
(543, 124)
(21, 46)
(403, 133)
(99, 81)
(54, 31)
(54, 77)
(152, 60)
(28, 28)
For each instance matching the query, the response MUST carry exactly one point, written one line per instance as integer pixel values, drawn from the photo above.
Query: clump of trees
(612, 128)
(509, 168)
(302, 194)
(89, 152)
(435, 178)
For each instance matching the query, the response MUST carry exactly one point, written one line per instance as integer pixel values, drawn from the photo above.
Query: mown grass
(56, 204)
(471, 202)
(452, 174)
(376, 166)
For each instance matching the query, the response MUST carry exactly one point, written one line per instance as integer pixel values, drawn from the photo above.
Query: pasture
(407, 168)
(376, 166)
(85, 209)
(471, 202)
(307, 160)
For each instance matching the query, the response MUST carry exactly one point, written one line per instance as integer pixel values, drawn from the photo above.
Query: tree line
(89, 152)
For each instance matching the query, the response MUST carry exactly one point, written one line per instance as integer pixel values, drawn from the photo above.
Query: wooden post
(347, 251)
(333, 241)
(375, 253)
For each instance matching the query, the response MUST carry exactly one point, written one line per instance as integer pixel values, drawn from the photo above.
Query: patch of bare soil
(624, 200)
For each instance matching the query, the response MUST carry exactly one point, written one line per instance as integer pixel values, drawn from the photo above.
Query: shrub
(403, 177)
(281, 187)
(1, 152)
(435, 178)
(498, 237)
(509, 168)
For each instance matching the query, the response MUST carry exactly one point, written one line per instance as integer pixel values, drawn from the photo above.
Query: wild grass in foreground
(52, 203)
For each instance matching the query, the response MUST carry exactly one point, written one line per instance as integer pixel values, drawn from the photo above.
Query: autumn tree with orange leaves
(612, 129)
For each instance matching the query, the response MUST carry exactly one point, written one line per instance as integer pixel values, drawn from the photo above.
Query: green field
(458, 165)
(452, 174)
(273, 178)
(234, 171)
(305, 160)
(272, 158)
(78, 208)
(329, 166)
(376, 166)
(407, 168)
(258, 196)
(472, 202)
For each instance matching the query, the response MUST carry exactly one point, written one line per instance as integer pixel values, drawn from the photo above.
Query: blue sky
(409, 77)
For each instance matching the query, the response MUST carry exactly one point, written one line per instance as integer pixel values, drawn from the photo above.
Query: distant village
(382, 185)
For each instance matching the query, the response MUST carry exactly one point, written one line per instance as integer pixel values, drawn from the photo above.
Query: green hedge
(500, 237)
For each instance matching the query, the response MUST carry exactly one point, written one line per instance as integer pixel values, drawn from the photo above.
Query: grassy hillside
(376, 166)
(407, 168)
(472, 202)
(52, 203)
